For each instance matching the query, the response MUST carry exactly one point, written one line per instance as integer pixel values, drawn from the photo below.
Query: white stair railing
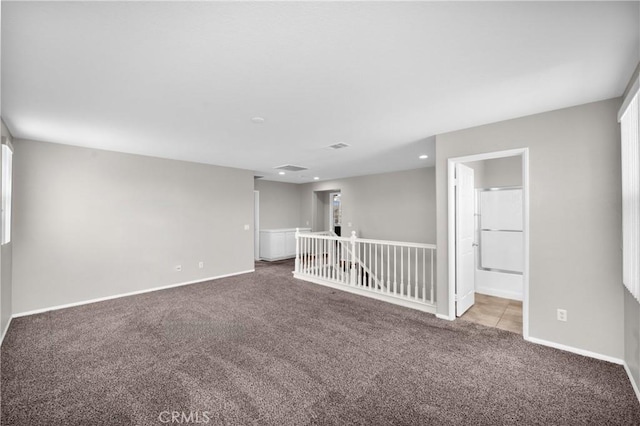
(397, 272)
(370, 278)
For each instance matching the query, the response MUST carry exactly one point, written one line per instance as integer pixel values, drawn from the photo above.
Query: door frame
(451, 165)
(331, 218)
(256, 224)
(314, 208)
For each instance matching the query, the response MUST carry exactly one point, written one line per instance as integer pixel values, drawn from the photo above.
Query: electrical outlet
(178, 268)
(200, 265)
(246, 227)
(562, 315)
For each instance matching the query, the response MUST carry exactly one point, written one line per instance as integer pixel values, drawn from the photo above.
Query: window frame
(629, 119)
(7, 190)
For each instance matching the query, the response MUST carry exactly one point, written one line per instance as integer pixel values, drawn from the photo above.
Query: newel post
(353, 257)
(297, 267)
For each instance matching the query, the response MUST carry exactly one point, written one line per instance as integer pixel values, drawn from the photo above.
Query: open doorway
(335, 213)
(327, 211)
(489, 239)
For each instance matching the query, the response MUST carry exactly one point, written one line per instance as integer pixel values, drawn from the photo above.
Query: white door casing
(523, 153)
(465, 235)
(256, 225)
(331, 215)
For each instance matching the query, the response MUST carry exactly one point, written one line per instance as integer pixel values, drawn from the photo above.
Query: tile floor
(496, 312)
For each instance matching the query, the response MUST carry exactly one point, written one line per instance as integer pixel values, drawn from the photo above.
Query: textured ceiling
(183, 80)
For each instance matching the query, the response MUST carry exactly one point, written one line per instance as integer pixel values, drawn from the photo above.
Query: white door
(465, 258)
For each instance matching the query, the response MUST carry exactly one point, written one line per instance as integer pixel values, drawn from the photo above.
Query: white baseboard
(571, 349)
(133, 293)
(590, 355)
(4, 332)
(445, 317)
(500, 293)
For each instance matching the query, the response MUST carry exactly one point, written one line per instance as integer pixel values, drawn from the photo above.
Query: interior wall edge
(6, 328)
(632, 380)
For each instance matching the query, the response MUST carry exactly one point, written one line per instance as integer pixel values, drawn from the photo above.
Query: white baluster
(382, 269)
(362, 254)
(297, 264)
(415, 294)
(408, 271)
(431, 266)
(395, 272)
(331, 268)
(375, 269)
(324, 259)
(362, 259)
(402, 290)
(388, 269)
(368, 265)
(315, 257)
(424, 275)
(306, 255)
(353, 261)
(341, 261)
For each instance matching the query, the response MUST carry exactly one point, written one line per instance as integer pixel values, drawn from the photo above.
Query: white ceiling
(182, 80)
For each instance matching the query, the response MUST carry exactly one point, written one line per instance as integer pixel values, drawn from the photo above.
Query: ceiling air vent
(291, 168)
(338, 146)
(257, 177)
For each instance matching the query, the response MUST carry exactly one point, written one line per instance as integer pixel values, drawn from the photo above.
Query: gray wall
(321, 218)
(6, 256)
(279, 204)
(396, 206)
(575, 219)
(502, 172)
(91, 223)
(497, 172)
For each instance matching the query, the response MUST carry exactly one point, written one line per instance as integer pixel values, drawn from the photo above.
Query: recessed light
(423, 157)
(281, 173)
(258, 120)
(316, 178)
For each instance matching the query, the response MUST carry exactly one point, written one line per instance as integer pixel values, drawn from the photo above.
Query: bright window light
(629, 118)
(7, 164)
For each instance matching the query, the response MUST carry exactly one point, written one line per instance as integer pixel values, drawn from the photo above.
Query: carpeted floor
(264, 348)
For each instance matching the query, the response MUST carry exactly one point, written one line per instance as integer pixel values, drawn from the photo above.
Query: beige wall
(396, 206)
(6, 256)
(575, 219)
(91, 224)
(279, 204)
